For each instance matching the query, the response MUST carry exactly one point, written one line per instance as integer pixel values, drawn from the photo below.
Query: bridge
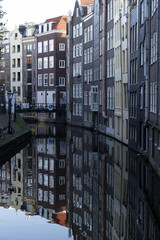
(44, 108)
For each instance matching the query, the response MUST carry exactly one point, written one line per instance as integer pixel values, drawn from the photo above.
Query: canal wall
(10, 144)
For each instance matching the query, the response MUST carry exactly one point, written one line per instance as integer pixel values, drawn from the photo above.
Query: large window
(45, 46)
(154, 47)
(51, 45)
(51, 61)
(51, 79)
(39, 47)
(39, 79)
(45, 79)
(45, 62)
(39, 63)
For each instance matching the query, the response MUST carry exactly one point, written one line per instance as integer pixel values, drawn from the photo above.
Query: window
(19, 91)
(39, 79)
(62, 101)
(39, 47)
(61, 63)
(61, 81)
(77, 12)
(45, 46)
(51, 45)
(45, 79)
(141, 97)
(110, 39)
(154, 47)
(153, 97)
(110, 97)
(142, 54)
(154, 5)
(7, 48)
(39, 63)
(45, 62)
(61, 180)
(142, 12)
(61, 46)
(110, 10)
(110, 67)
(51, 61)
(51, 79)
(94, 98)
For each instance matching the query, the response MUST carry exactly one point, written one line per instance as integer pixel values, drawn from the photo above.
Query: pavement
(4, 118)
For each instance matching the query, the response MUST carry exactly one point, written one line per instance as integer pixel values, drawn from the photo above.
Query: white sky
(21, 11)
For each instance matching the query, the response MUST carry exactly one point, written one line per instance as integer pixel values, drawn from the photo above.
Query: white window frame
(45, 62)
(61, 46)
(51, 79)
(51, 45)
(51, 61)
(39, 79)
(45, 77)
(39, 47)
(45, 46)
(62, 81)
(61, 63)
(39, 63)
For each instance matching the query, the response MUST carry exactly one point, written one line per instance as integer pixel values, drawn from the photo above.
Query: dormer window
(77, 12)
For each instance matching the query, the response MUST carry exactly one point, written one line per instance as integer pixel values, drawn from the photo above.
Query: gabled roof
(60, 22)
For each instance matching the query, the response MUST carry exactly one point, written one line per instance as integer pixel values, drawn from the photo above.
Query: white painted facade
(121, 70)
(16, 63)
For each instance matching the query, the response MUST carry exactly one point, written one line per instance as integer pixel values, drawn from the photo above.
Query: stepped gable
(60, 22)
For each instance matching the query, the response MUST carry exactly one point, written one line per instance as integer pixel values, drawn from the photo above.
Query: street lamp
(10, 129)
(15, 107)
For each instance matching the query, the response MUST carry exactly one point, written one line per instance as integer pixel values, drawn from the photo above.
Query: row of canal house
(113, 70)
(33, 62)
(106, 66)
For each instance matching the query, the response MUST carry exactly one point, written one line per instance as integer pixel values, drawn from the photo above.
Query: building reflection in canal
(87, 182)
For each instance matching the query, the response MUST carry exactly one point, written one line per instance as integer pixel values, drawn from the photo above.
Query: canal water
(71, 183)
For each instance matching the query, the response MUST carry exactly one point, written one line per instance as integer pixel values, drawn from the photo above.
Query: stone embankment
(10, 144)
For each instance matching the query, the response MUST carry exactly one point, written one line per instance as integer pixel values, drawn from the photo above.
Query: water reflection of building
(29, 183)
(106, 192)
(5, 184)
(50, 177)
(17, 180)
(143, 207)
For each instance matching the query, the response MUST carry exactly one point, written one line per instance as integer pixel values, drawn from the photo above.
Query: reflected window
(39, 194)
(51, 182)
(40, 178)
(51, 198)
(46, 163)
(40, 162)
(46, 196)
(61, 180)
(45, 180)
(51, 164)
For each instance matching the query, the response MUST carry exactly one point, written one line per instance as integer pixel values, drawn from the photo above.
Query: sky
(21, 11)
(16, 225)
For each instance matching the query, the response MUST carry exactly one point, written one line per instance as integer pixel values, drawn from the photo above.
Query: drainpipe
(103, 63)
